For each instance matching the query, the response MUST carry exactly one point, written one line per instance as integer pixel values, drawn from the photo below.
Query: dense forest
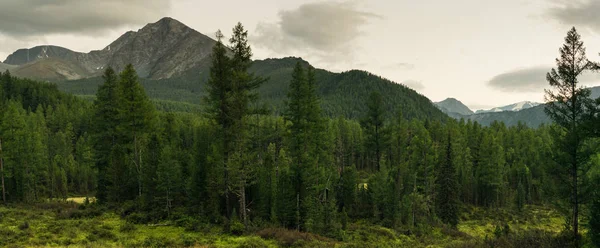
(238, 165)
(341, 94)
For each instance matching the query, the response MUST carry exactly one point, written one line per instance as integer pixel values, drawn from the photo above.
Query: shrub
(24, 226)
(287, 237)
(103, 233)
(252, 242)
(158, 242)
(127, 227)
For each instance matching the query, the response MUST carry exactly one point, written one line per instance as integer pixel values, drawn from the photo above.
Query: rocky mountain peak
(162, 49)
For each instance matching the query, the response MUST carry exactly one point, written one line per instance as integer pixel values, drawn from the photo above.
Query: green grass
(69, 224)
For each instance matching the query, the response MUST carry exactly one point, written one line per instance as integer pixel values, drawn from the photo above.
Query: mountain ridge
(158, 50)
(452, 105)
(511, 107)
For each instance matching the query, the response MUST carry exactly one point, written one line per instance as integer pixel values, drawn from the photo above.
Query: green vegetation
(81, 225)
(235, 175)
(342, 94)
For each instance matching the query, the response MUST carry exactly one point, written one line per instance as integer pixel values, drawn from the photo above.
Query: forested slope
(342, 94)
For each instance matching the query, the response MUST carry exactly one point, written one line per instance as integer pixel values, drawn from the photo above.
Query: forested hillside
(343, 94)
(324, 159)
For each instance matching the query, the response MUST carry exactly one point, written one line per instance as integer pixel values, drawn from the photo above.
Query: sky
(484, 53)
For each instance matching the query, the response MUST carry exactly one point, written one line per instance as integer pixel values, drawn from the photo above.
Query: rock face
(159, 50)
(451, 105)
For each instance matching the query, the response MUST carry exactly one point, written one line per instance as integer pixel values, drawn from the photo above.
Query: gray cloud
(532, 79)
(579, 13)
(414, 84)
(327, 30)
(22, 18)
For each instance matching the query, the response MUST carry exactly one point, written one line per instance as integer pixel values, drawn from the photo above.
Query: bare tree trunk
(243, 204)
(2, 173)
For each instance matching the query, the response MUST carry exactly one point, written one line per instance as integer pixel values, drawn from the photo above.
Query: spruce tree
(243, 95)
(568, 105)
(219, 101)
(373, 124)
(447, 197)
(137, 121)
(106, 120)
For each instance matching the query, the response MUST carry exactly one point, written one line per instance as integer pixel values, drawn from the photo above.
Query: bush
(127, 227)
(287, 237)
(252, 242)
(158, 242)
(24, 226)
(138, 218)
(102, 233)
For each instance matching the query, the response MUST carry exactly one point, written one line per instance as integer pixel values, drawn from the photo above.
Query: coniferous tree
(137, 121)
(447, 197)
(106, 120)
(568, 105)
(373, 124)
(243, 86)
(219, 107)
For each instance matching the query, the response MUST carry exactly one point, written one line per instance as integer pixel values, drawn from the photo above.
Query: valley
(167, 137)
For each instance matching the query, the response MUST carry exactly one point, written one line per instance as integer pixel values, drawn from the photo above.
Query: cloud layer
(25, 18)
(532, 79)
(324, 29)
(579, 13)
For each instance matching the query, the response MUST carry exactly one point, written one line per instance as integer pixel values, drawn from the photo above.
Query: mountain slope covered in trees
(343, 94)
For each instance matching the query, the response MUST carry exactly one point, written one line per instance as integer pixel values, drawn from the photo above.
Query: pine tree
(137, 121)
(568, 105)
(243, 95)
(219, 107)
(308, 146)
(373, 124)
(106, 120)
(13, 147)
(447, 198)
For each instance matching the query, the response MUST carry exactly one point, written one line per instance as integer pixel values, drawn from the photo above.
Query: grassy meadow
(75, 223)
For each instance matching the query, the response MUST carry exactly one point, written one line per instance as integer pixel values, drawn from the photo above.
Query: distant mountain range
(159, 50)
(512, 107)
(457, 109)
(529, 113)
(173, 63)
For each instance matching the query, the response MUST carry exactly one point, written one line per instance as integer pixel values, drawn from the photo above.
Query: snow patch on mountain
(512, 107)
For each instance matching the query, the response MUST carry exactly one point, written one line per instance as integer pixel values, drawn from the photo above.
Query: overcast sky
(485, 53)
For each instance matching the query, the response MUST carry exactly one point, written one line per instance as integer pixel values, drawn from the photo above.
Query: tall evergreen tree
(447, 197)
(243, 94)
(373, 124)
(219, 109)
(568, 105)
(106, 120)
(137, 121)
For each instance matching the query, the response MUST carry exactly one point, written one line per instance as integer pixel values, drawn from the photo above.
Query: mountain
(533, 116)
(159, 50)
(512, 107)
(451, 105)
(51, 69)
(173, 63)
(4, 67)
(342, 94)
